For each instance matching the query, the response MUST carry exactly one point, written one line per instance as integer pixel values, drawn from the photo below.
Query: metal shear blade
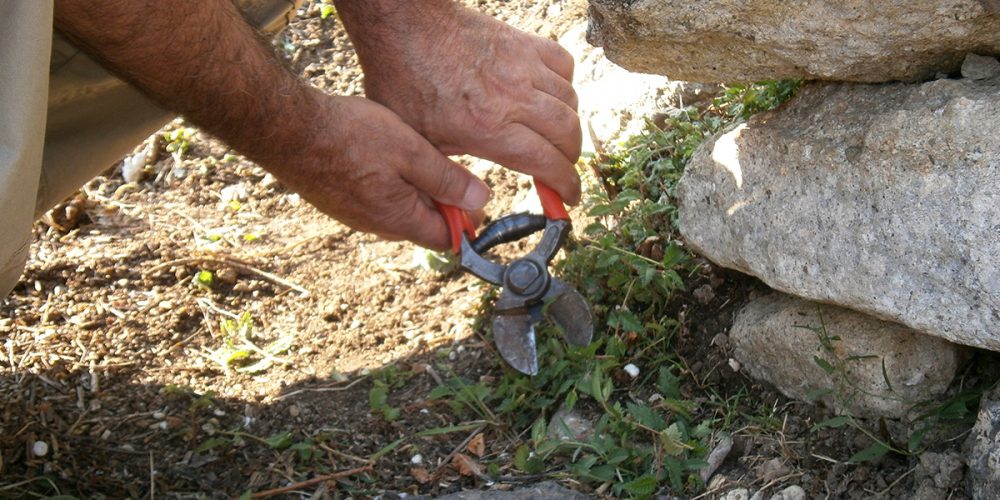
(514, 330)
(528, 287)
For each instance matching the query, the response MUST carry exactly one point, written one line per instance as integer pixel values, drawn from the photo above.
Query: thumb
(448, 182)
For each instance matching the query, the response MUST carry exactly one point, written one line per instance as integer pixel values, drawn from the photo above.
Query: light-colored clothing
(25, 45)
(64, 118)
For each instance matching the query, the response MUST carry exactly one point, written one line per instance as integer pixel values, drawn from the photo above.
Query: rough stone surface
(737, 494)
(548, 490)
(793, 492)
(880, 198)
(936, 475)
(614, 103)
(569, 425)
(984, 454)
(777, 337)
(979, 67)
(741, 40)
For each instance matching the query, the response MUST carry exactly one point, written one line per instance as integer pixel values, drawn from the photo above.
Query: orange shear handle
(459, 222)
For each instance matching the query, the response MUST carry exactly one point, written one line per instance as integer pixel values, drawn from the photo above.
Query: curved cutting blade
(571, 312)
(514, 334)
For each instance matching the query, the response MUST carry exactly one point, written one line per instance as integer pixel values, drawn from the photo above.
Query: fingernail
(476, 195)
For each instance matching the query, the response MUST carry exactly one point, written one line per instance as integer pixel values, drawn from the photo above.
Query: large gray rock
(741, 40)
(984, 457)
(873, 368)
(880, 198)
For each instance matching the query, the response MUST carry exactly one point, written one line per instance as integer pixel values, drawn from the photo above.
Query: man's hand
(378, 175)
(353, 158)
(471, 84)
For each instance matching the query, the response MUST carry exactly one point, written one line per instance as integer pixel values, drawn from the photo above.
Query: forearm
(377, 27)
(202, 60)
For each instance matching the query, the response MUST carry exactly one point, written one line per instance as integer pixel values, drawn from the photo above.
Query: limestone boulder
(884, 199)
(747, 40)
(852, 362)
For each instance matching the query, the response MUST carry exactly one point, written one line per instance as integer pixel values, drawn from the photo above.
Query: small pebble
(793, 492)
(632, 370)
(294, 410)
(417, 459)
(268, 181)
(735, 365)
(227, 275)
(720, 340)
(40, 448)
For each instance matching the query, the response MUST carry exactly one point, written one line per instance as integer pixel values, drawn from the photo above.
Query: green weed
(648, 435)
(179, 141)
(241, 351)
(937, 416)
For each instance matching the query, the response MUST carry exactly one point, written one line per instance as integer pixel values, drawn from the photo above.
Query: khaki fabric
(25, 41)
(88, 118)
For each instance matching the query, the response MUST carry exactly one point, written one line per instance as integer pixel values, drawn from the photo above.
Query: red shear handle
(458, 222)
(552, 204)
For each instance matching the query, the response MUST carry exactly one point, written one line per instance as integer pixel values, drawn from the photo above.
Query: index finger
(556, 58)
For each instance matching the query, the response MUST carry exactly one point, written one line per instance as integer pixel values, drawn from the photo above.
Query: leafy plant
(648, 435)
(239, 348)
(957, 409)
(179, 141)
(327, 9)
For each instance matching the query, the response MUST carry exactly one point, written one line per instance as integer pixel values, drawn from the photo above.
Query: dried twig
(894, 483)
(315, 480)
(235, 264)
(321, 389)
(461, 446)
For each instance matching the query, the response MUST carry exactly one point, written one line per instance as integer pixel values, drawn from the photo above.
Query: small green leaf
(833, 423)
(211, 443)
(646, 416)
(641, 486)
(668, 383)
(824, 364)
(386, 449)
(873, 452)
(280, 441)
(204, 279)
(916, 439)
(521, 457)
(815, 394)
(670, 438)
(885, 376)
(538, 431)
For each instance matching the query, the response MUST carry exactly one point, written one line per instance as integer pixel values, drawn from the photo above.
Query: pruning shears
(529, 291)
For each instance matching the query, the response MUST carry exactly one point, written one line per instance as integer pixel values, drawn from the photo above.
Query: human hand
(472, 84)
(366, 168)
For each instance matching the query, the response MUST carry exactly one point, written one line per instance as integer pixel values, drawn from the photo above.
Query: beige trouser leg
(93, 119)
(25, 41)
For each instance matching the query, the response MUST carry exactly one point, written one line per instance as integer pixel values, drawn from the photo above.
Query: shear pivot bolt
(522, 276)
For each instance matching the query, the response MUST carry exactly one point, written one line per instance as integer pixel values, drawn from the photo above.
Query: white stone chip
(40, 448)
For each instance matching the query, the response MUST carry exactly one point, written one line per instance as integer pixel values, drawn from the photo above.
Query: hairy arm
(352, 158)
